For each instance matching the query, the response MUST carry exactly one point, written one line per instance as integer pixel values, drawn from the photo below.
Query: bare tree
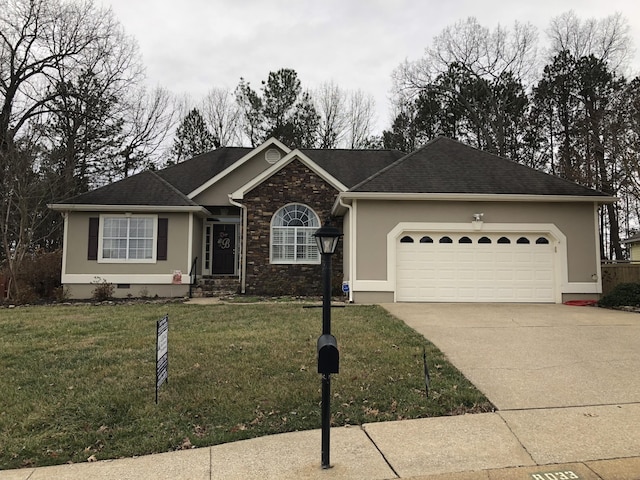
(347, 118)
(24, 218)
(46, 46)
(149, 117)
(223, 115)
(360, 119)
(485, 53)
(331, 105)
(480, 72)
(607, 38)
(46, 42)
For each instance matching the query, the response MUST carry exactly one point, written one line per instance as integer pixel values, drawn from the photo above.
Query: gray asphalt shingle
(441, 166)
(146, 188)
(447, 166)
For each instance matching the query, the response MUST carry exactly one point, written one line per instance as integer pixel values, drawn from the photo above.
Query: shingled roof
(351, 167)
(442, 166)
(447, 166)
(146, 188)
(191, 174)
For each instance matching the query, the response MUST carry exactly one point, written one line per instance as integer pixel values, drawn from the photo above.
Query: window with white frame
(128, 238)
(292, 240)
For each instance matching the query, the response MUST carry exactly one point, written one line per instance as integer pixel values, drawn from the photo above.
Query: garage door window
(465, 239)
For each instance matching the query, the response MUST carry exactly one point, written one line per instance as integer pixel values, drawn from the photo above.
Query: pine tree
(192, 138)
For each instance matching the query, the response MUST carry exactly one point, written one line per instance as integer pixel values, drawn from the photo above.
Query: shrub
(623, 295)
(103, 290)
(38, 277)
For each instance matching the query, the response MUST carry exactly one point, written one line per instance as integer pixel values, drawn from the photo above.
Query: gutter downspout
(243, 246)
(352, 251)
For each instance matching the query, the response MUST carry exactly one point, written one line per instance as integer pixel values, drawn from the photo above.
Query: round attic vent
(273, 155)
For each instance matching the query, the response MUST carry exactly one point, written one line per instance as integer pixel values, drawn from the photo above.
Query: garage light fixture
(477, 221)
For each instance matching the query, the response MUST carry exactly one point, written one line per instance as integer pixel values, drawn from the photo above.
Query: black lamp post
(328, 358)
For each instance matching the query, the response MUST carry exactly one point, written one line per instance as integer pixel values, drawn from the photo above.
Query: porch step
(210, 286)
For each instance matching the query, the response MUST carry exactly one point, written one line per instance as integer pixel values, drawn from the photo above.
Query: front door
(224, 249)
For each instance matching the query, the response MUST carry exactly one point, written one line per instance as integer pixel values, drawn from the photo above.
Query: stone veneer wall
(295, 183)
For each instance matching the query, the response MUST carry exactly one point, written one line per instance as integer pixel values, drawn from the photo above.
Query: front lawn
(78, 382)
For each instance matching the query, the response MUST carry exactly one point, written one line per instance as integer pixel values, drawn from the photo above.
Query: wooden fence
(616, 273)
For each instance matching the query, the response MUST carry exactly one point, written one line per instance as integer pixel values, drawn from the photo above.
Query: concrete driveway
(525, 356)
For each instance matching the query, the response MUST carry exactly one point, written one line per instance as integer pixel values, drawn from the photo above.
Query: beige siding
(198, 238)
(77, 241)
(218, 194)
(377, 218)
(346, 241)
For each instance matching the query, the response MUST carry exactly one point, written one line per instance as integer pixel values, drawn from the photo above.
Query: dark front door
(224, 249)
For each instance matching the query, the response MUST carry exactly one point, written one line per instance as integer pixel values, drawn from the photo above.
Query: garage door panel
(499, 271)
(484, 275)
(465, 257)
(524, 275)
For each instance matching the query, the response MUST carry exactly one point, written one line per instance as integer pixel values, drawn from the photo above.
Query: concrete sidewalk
(549, 444)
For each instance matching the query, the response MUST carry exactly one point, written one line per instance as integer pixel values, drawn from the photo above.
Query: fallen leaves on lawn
(186, 444)
(241, 427)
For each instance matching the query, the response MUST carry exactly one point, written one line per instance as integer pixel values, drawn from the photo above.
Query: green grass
(79, 381)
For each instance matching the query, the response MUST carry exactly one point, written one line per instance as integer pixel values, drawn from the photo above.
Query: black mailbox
(328, 356)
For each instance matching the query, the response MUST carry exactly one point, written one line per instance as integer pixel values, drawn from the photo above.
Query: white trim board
(157, 278)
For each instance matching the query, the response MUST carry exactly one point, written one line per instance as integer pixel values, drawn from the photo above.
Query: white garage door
(475, 267)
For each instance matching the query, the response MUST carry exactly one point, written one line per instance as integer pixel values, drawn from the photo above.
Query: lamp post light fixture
(328, 357)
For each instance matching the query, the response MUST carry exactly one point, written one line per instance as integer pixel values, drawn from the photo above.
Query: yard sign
(162, 352)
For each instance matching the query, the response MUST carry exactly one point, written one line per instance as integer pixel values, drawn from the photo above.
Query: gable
(217, 189)
(277, 168)
(269, 152)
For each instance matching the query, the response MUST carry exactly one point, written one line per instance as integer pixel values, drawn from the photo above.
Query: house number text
(566, 475)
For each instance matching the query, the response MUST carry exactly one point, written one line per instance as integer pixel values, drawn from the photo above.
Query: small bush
(103, 290)
(623, 295)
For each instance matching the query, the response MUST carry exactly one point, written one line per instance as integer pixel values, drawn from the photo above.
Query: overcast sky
(190, 46)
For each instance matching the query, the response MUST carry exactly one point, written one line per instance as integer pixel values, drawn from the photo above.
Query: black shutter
(163, 231)
(92, 250)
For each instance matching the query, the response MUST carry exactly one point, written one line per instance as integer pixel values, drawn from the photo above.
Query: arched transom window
(292, 229)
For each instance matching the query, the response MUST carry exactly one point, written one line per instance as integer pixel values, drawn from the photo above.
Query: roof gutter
(74, 207)
(346, 197)
(352, 250)
(243, 259)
